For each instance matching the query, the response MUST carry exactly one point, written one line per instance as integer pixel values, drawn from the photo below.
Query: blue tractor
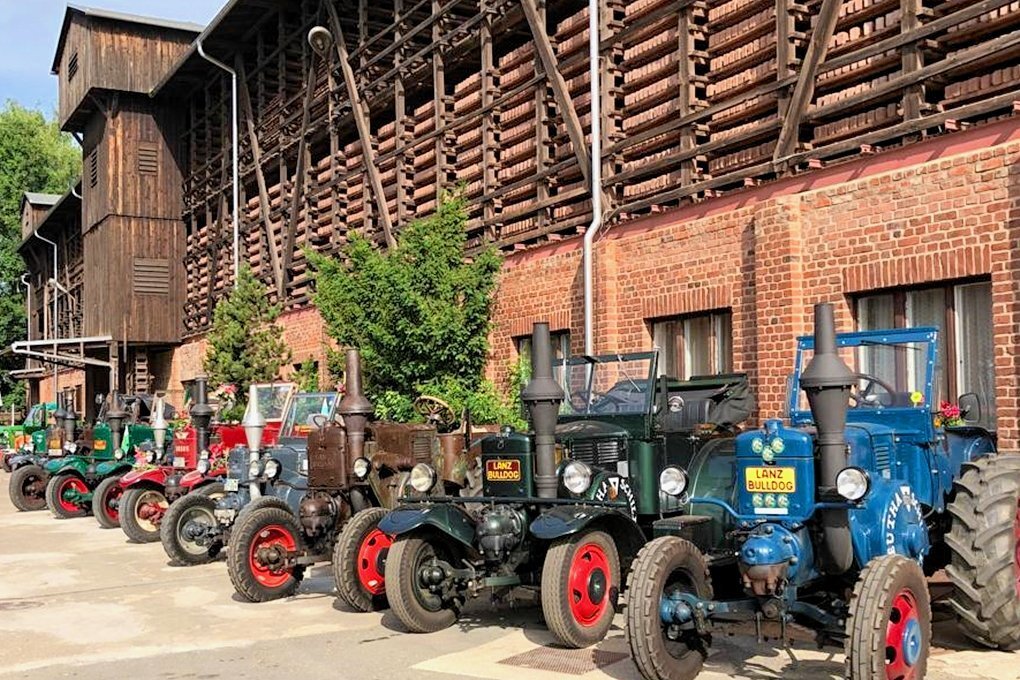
(835, 520)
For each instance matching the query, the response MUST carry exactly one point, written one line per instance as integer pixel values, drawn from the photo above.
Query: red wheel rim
(903, 638)
(272, 536)
(371, 558)
(116, 491)
(1016, 549)
(588, 584)
(70, 484)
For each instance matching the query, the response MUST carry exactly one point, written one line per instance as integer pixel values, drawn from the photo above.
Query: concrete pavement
(77, 601)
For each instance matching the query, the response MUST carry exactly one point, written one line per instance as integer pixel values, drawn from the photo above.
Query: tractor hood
(589, 429)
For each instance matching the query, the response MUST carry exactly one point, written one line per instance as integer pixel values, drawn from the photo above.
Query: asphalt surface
(77, 601)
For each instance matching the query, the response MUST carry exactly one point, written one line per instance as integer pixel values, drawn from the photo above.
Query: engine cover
(499, 531)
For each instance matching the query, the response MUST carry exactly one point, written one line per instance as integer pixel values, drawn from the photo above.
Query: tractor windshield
(304, 411)
(36, 417)
(273, 399)
(608, 385)
(892, 369)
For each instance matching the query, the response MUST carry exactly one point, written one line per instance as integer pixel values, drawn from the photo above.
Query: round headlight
(203, 466)
(204, 455)
(673, 481)
(273, 469)
(852, 483)
(255, 468)
(119, 454)
(576, 477)
(362, 467)
(423, 478)
(150, 457)
(70, 447)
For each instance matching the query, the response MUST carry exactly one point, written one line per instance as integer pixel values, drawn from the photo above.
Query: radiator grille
(598, 452)
(882, 459)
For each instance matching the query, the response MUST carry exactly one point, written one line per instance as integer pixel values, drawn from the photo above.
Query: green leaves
(420, 313)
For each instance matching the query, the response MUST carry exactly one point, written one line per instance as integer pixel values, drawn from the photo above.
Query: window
(93, 167)
(694, 345)
(72, 67)
(148, 159)
(561, 351)
(963, 315)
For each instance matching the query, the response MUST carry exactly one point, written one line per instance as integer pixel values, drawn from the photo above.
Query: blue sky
(28, 39)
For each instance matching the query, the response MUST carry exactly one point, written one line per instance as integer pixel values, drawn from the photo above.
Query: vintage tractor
(145, 493)
(17, 439)
(564, 508)
(836, 518)
(353, 471)
(27, 485)
(106, 450)
(196, 528)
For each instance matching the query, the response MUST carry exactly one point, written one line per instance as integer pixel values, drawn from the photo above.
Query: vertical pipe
(596, 176)
(56, 324)
(543, 396)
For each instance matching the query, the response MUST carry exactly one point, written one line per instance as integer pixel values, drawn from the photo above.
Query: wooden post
(489, 127)
(913, 96)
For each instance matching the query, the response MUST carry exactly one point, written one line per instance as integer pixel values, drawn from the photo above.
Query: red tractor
(195, 461)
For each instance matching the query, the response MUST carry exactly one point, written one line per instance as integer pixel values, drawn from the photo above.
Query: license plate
(55, 453)
(230, 485)
(770, 480)
(179, 462)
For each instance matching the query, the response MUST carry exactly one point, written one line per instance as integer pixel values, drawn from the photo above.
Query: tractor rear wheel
(141, 513)
(359, 561)
(664, 567)
(418, 607)
(580, 585)
(184, 521)
(888, 631)
(28, 488)
(258, 546)
(984, 546)
(57, 491)
(106, 501)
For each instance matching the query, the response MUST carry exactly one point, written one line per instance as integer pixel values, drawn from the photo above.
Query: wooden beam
(260, 177)
(361, 122)
(804, 91)
(545, 52)
(910, 59)
(439, 113)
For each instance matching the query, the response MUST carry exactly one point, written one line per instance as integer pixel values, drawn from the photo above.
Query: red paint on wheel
(371, 553)
(589, 568)
(71, 484)
(903, 617)
(111, 509)
(269, 537)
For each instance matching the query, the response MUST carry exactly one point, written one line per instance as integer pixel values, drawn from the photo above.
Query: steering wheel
(320, 421)
(435, 411)
(606, 401)
(865, 396)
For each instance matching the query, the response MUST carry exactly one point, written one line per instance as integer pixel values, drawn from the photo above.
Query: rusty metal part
(319, 513)
(764, 579)
(328, 463)
(355, 407)
(392, 461)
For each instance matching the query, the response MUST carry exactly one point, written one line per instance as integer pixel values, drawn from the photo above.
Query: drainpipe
(28, 305)
(237, 190)
(596, 177)
(56, 325)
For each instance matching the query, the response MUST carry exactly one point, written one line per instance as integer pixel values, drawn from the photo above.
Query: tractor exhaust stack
(116, 416)
(827, 381)
(355, 407)
(201, 413)
(543, 397)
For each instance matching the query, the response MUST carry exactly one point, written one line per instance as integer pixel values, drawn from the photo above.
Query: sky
(28, 40)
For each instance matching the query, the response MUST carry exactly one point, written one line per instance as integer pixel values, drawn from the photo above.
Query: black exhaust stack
(70, 420)
(355, 408)
(201, 413)
(116, 416)
(827, 381)
(543, 397)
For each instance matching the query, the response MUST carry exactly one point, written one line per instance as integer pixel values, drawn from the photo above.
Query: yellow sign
(503, 470)
(770, 480)
(100, 444)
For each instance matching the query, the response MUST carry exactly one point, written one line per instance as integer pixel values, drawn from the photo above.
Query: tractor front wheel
(665, 568)
(580, 584)
(213, 490)
(422, 605)
(259, 546)
(141, 513)
(61, 491)
(106, 502)
(186, 530)
(984, 546)
(28, 488)
(359, 561)
(888, 631)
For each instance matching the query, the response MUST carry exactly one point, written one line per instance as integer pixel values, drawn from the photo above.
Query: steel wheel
(580, 583)
(261, 543)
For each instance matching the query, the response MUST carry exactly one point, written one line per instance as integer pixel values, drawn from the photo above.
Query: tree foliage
(307, 376)
(34, 156)
(420, 313)
(245, 343)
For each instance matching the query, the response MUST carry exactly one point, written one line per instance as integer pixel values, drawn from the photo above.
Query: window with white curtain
(963, 314)
(694, 345)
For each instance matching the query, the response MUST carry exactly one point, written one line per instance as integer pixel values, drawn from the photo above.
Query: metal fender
(78, 466)
(110, 468)
(891, 521)
(190, 479)
(448, 518)
(565, 520)
(154, 476)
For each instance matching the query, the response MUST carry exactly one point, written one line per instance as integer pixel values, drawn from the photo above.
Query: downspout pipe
(596, 177)
(236, 162)
(28, 305)
(56, 324)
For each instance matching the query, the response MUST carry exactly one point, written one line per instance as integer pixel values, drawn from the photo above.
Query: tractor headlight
(673, 481)
(852, 483)
(203, 466)
(150, 457)
(70, 447)
(576, 477)
(361, 468)
(119, 454)
(255, 469)
(273, 469)
(423, 478)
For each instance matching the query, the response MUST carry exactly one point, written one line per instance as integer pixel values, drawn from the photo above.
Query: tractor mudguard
(155, 476)
(448, 518)
(22, 460)
(111, 468)
(72, 464)
(565, 520)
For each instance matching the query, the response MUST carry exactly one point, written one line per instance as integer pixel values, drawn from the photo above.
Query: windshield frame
(888, 337)
(287, 426)
(619, 357)
(292, 390)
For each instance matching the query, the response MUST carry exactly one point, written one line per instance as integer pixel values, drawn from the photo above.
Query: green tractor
(17, 439)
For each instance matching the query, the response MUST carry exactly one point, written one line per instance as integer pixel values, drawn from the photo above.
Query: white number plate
(230, 485)
(179, 462)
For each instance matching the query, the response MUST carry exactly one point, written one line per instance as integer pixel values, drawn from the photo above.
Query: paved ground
(80, 602)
